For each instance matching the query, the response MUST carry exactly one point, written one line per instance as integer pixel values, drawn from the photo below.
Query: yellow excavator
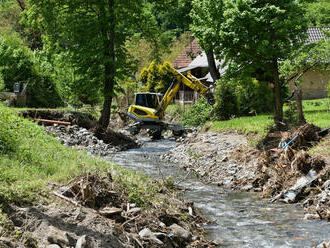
(149, 108)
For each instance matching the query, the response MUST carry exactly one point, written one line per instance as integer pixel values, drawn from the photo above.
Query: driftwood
(53, 122)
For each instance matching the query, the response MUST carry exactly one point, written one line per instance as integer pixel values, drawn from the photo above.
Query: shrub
(226, 101)
(2, 83)
(19, 64)
(156, 78)
(198, 114)
(8, 133)
(242, 97)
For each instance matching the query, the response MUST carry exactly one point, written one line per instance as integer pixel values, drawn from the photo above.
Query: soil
(93, 211)
(290, 175)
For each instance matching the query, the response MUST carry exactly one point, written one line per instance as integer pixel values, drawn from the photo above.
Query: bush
(19, 64)
(2, 83)
(198, 114)
(242, 97)
(8, 133)
(156, 78)
(226, 101)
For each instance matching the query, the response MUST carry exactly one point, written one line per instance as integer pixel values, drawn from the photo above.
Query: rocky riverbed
(291, 176)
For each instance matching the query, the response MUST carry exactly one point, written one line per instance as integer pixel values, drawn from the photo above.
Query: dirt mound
(302, 137)
(75, 118)
(116, 138)
(93, 191)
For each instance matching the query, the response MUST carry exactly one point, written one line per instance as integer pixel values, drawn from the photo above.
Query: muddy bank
(102, 144)
(95, 211)
(290, 175)
(82, 132)
(75, 118)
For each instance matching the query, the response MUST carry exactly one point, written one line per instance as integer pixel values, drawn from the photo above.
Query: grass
(322, 148)
(30, 160)
(316, 112)
(247, 124)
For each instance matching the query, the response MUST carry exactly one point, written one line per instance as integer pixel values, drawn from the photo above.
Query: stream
(239, 219)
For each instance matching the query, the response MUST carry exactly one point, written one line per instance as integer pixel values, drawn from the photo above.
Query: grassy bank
(30, 160)
(316, 112)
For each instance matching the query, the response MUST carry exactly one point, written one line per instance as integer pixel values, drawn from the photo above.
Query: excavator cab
(149, 100)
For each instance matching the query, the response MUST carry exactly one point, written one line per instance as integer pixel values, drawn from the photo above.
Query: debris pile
(94, 211)
(289, 174)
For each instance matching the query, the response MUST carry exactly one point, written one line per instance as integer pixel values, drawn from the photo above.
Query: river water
(239, 219)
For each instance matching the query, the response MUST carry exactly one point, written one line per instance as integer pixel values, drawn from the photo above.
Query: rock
(84, 242)
(53, 246)
(311, 216)
(110, 211)
(149, 235)
(7, 242)
(134, 211)
(180, 233)
(58, 237)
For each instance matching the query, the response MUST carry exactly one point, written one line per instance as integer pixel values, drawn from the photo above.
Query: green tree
(317, 13)
(307, 58)
(19, 64)
(156, 78)
(207, 17)
(262, 33)
(93, 34)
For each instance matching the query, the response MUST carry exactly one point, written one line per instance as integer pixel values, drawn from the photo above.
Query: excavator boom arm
(192, 83)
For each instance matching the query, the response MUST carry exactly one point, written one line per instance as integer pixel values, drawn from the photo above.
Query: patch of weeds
(193, 154)
(6, 226)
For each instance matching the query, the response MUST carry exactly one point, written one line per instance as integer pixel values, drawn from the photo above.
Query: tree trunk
(109, 66)
(301, 117)
(212, 65)
(278, 115)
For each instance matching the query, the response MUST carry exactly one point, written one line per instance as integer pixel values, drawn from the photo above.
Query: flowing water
(239, 219)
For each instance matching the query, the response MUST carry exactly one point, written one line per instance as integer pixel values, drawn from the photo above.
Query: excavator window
(148, 100)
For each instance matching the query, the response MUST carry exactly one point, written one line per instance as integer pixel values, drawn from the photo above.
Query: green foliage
(317, 13)
(2, 83)
(30, 160)
(226, 101)
(254, 97)
(247, 96)
(198, 114)
(261, 31)
(156, 78)
(316, 112)
(8, 135)
(19, 64)
(207, 17)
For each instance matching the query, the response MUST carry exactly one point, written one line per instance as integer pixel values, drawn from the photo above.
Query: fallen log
(53, 122)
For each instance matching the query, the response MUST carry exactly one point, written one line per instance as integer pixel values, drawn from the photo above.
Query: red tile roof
(185, 58)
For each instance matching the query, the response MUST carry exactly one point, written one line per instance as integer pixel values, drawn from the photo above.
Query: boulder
(180, 233)
(147, 234)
